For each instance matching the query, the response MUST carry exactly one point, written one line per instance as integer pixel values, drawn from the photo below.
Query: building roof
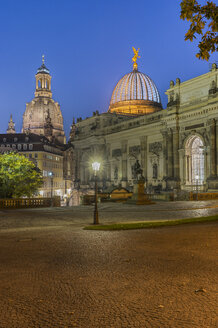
(39, 143)
(43, 69)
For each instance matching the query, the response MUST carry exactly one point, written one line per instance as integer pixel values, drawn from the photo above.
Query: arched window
(195, 161)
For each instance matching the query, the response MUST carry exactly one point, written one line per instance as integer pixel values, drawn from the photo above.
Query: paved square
(54, 274)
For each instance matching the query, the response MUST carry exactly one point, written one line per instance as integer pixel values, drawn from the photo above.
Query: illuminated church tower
(35, 117)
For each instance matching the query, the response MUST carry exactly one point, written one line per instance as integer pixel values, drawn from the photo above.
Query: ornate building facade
(43, 139)
(43, 115)
(177, 147)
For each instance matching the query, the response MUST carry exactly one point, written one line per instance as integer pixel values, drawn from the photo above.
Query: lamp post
(51, 175)
(96, 167)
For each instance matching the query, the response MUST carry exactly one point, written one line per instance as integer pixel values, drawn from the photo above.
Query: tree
(18, 176)
(204, 22)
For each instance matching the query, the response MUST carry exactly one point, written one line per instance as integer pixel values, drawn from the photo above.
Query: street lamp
(51, 175)
(96, 167)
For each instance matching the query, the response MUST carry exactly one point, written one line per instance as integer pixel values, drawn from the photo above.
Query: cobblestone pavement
(53, 274)
(108, 213)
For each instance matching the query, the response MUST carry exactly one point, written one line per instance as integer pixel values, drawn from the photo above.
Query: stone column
(124, 162)
(205, 165)
(165, 154)
(143, 146)
(182, 165)
(217, 148)
(213, 147)
(43, 83)
(188, 170)
(176, 153)
(108, 165)
(81, 174)
(77, 165)
(185, 169)
(170, 153)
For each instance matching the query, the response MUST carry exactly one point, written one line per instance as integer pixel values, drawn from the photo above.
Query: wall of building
(48, 157)
(161, 142)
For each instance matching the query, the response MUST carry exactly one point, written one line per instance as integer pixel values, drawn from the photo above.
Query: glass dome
(135, 86)
(135, 94)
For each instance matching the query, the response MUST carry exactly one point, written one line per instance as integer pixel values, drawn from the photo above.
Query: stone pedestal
(212, 183)
(139, 197)
(123, 183)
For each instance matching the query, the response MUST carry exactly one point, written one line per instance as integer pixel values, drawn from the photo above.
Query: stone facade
(43, 109)
(43, 139)
(49, 157)
(177, 147)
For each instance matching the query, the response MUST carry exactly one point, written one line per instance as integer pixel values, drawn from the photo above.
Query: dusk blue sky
(88, 48)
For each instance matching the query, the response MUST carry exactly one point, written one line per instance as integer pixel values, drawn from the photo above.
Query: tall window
(195, 161)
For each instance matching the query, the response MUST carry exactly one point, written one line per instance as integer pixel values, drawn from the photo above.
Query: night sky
(88, 48)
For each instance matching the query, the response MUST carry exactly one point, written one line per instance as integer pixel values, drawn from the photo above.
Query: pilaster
(170, 153)
(124, 160)
(216, 147)
(182, 165)
(108, 164)
(213, 178)
(165, 153)
(212, 129)
(144, 146)
(175, 153)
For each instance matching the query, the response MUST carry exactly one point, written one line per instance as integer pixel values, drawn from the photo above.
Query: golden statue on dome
(135, 57)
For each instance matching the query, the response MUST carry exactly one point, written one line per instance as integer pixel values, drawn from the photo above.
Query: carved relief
(116, 152)
(134, 151)
(155, 148)
(154, 160)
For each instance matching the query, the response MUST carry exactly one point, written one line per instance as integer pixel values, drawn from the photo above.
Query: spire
(43, 69)
(134, 58)
(11, 126)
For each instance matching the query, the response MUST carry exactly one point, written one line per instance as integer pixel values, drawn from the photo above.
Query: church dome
(43, 115)
(135, 94)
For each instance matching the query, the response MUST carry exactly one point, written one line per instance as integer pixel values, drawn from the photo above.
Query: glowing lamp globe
(96, 166)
